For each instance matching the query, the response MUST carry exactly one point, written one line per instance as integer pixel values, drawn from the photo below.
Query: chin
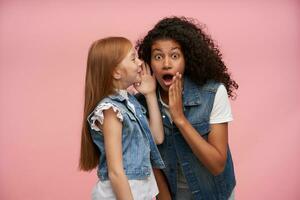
(164, 88)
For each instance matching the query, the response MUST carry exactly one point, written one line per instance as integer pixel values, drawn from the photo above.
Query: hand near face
(148, 82)
(175, 98)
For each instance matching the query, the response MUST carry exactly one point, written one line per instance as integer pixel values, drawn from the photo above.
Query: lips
(139, 77)
(167, 79)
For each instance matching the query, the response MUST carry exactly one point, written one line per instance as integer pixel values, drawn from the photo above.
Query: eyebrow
(174, 48)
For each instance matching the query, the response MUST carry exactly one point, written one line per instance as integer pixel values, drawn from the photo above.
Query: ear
(117, 74)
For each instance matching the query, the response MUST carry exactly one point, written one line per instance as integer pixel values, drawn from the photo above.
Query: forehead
(131, 52)
(165, 45)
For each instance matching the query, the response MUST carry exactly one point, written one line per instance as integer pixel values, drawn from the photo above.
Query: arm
(213, 152)
(148, 88)
(164, 193)
(112, 130)
(155, 121)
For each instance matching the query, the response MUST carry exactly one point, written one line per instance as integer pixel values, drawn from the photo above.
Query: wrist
(150, 95)
(180, 121)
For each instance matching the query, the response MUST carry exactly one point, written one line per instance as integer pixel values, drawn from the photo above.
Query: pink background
(43, 50)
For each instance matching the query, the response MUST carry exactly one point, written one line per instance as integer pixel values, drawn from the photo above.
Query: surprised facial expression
(166, 59)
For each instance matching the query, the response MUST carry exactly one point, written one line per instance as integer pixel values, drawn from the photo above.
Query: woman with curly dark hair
(193, 91)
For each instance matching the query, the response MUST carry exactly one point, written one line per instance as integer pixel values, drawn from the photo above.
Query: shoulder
(211, 86)
(221, 91)
(105, 108)
(221, 111)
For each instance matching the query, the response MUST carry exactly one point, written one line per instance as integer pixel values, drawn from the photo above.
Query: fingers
(178, 85)
(177, 81)
(153, 76)
(147, 68)
(172, 93)
(143, 68)
(175, 90)
(175, 97)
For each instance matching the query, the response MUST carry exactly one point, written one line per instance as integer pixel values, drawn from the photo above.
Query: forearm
(208, 154)
(120, 185)
(164, 193)
(155, 121)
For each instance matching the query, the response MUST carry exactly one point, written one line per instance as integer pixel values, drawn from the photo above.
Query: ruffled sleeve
(97, 115)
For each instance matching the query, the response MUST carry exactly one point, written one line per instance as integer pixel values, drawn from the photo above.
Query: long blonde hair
(103, 57)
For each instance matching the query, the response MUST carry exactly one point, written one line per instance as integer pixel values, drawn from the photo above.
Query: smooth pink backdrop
(43, 50)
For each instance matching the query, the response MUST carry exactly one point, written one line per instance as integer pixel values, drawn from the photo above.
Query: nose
(139, 62)
(166, 63)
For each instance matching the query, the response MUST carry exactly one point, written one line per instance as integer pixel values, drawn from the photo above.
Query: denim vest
(138, 148)
(197, 105)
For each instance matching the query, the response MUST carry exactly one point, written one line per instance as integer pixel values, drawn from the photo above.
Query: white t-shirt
(221, 111)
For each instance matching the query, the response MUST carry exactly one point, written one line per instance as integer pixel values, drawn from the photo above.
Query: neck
(164, 95)
(119, 86)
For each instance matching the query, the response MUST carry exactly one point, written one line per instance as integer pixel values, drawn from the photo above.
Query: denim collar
(124, 97)
(120, 95)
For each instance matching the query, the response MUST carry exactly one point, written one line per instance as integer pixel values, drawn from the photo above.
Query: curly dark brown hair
(203, 60)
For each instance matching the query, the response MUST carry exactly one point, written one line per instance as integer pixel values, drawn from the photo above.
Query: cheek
(156, 72)
(182, 66)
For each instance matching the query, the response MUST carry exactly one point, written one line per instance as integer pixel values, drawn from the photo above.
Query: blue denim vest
(197, 104)
(138, 147)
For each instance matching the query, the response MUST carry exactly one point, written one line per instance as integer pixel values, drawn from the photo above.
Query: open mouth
(167, 78)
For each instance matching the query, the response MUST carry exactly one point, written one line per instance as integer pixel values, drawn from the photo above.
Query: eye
(175, 55)
(157, 57)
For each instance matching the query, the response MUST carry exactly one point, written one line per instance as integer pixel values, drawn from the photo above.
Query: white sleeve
(221, 111)
(98, 115)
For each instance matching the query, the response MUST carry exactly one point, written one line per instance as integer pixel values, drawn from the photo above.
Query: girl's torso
(139, 151)
(138, 148)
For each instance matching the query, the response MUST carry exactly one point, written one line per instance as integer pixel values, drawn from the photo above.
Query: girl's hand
(175, 99)
(148, 82)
